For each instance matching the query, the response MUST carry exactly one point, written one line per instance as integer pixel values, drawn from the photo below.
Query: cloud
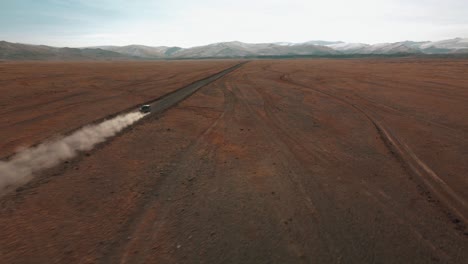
(190, 23)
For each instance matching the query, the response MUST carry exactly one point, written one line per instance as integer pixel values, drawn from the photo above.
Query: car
(145, 108)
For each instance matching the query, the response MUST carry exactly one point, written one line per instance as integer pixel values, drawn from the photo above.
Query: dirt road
(165, 102)
(40, 100)
(312, 161)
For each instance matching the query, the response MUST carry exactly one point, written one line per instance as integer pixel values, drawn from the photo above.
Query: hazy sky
(186, 23)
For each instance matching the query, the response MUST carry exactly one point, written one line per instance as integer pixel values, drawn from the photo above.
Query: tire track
(382, 200)
(149, 225)
(295, 168)
(146, 225)
(456, 205)
(20, 168)
(332, 231)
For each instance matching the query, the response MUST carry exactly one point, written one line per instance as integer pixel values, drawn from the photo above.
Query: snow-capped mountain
(387, 48)
(312, 42)
(235, 49)
(349, 48)
(142, 51)
(315, 47)
(323, 42)
(240, 49)
(457, 45)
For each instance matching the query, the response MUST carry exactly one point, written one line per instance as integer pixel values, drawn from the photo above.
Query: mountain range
(16, 51)
(234, 49)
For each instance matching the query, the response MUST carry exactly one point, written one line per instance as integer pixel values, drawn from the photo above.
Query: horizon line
(151, 46)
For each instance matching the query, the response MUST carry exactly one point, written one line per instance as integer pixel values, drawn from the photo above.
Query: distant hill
(238, 49)
(16, 51)
(383, 48)
(142, 51)
(450, 46)
(234, 49)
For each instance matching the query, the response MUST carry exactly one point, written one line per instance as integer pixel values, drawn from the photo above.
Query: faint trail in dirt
(317, 202)
(44, 104)
(458, 210)
(148, 228)
(381, 200)
(19, 168)
(323, 216)
(373, 191)
(175, 97)
(254, 169)
(145, 227)
(286, 78)
(460, 135)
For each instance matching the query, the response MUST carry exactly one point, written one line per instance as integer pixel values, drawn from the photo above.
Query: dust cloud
(19, 169)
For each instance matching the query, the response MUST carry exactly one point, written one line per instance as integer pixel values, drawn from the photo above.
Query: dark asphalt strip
(20, 168)
(171, 99)
(158, 105)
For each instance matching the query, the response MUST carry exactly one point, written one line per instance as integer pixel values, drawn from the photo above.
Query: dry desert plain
(279, 161)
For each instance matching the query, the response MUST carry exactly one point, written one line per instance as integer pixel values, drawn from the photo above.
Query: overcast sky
(185, 23)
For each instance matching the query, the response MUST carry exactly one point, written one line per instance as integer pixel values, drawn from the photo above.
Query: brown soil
(40, 100)
(294, 161)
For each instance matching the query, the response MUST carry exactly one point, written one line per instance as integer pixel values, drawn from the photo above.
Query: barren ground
(40, 100)
(281, 161)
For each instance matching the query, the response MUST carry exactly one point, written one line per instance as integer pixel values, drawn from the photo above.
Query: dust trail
(20, 168)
